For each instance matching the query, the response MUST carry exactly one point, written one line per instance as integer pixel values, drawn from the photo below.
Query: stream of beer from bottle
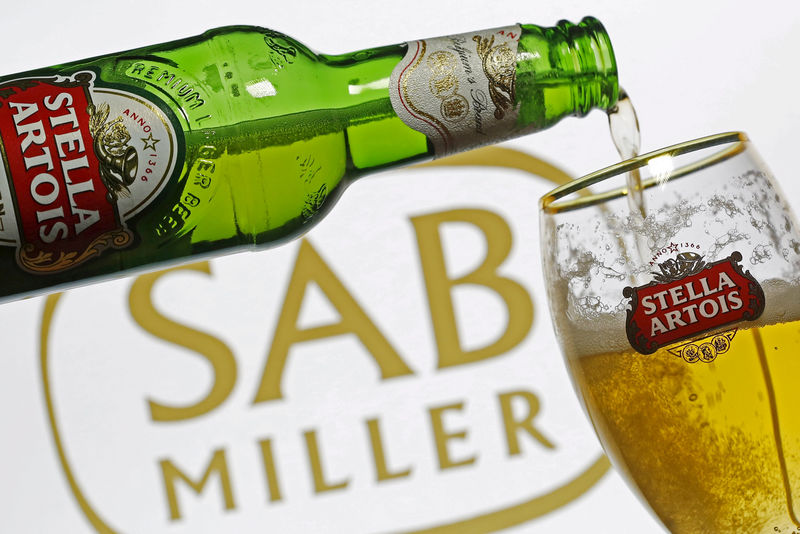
(624, 126)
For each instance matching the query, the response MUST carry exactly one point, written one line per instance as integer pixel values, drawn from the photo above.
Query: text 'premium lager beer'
(243, 137)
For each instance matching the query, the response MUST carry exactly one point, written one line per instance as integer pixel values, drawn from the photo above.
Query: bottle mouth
(593, 56)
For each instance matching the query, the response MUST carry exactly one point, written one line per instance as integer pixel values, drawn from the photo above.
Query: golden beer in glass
(680, 325)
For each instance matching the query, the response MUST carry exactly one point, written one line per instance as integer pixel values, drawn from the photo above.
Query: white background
(692, 68)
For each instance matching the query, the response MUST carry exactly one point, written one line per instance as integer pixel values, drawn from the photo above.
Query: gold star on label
(150, 142)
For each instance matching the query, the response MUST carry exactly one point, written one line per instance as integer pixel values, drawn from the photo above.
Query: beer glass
(679, 319)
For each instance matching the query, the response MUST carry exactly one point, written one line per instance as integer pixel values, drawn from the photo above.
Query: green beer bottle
(243, 137)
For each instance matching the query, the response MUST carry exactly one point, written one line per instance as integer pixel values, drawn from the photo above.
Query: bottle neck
(590, 58)
(467, 90)
(565, 70)
(376, 137)
(428, 98)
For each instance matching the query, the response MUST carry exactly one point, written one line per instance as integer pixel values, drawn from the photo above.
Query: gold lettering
(269, 470)
(439, 286)
(441, 437)
(310, 267)
(217, 353)
(513, 426)
(379, 455)
(320, 484)
(217, 465)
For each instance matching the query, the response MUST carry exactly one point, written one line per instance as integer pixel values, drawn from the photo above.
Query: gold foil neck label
(459, 90)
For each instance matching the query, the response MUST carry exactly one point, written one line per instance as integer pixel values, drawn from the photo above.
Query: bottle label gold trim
(78, 161)
(459, 90)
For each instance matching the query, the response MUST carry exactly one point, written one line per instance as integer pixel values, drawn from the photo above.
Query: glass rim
(549, 203)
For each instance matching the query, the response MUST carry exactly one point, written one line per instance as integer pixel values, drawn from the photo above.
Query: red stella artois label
(688, 298)
(78, 162)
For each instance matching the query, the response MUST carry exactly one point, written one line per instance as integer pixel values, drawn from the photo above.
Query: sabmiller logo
(78, 161)
(690, 297)
(386, 372)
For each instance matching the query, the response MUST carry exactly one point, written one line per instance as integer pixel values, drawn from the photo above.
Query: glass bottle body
(264, 136)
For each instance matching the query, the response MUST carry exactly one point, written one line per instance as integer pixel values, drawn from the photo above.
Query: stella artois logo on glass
(690, 297)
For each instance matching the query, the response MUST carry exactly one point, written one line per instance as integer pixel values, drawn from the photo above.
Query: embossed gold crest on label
(458, 90)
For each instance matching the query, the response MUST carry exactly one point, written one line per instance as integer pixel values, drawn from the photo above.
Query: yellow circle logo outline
(513, 515)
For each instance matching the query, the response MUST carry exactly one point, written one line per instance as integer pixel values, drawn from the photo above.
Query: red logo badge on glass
(688, 298)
